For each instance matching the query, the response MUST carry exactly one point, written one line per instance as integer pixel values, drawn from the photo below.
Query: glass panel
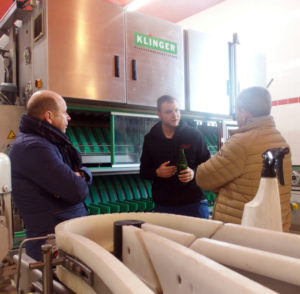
(210, 133)
(208, 74)
(89, 133)
(129, 137)
(38, 27)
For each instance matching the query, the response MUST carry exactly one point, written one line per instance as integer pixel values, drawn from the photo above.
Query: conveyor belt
(92, 140)
(99, 201)
(82, 139)
(211, 141)
(119, 193)
(106, 134)
(94, 204)
(72, 138)
(123, 142)
(89, 139)
(95, 140)
(100, 139)
(138, 191)
(133, 206)
(120, 144)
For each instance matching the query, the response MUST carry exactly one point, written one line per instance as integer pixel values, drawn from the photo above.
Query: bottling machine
(111, 145)
(110, 85)
(110, 70)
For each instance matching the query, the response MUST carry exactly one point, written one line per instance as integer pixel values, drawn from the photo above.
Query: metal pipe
(269, 84)
(50, 236)
(112, 139)
(118, 235)
(47, 269)
(234, 89)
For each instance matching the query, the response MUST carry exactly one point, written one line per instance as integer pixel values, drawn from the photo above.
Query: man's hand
(186, 175)
(78, 174)
(165, 171)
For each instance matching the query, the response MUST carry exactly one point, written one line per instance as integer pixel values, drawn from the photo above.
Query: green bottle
(181, 162)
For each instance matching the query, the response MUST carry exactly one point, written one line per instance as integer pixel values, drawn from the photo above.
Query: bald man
(49, 182)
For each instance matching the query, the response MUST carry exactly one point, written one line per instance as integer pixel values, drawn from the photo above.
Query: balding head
(50, 107)
(42, 101)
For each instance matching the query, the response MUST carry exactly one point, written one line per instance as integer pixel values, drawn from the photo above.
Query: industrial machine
(6, 223)
(110, 65)
(5, 207)
(139, 253)
(295, 199)
(111, 145)
(110, 71)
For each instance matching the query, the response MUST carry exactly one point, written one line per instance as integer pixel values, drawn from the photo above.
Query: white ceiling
(171, 10)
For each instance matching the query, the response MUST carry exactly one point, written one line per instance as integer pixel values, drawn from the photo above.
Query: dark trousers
(199, 209)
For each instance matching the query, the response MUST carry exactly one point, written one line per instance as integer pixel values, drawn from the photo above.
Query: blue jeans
(199, 209)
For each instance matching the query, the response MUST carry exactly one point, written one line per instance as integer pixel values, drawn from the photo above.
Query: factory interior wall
(4, 6)
(270, 27)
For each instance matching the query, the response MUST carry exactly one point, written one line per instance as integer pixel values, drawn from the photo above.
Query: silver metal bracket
(77, 267)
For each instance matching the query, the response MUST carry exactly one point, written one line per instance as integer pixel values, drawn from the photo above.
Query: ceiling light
(136, 4)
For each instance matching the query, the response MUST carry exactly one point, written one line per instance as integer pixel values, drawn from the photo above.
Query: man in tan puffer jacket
(235, 171)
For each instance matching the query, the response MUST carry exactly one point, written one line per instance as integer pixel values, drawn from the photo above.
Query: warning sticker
(11, 135)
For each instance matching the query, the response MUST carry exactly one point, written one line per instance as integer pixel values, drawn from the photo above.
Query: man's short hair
(39, 103)
(256, 100)
(164, 98)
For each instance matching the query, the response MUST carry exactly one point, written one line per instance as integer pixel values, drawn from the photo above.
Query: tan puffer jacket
(236, 169)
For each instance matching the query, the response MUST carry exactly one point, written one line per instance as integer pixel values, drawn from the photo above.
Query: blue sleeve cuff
(87, 175)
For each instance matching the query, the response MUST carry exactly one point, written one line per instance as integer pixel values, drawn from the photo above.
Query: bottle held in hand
(181, 162)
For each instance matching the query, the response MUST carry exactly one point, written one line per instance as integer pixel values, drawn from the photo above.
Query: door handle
(134, 69)
(117, 66)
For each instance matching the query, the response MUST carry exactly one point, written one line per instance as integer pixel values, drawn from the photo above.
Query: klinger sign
(155, 43)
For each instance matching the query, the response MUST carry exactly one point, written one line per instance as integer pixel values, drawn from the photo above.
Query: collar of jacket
(254, 123)
(157, 129)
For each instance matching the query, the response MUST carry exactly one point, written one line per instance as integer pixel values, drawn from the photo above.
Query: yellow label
(11, 135)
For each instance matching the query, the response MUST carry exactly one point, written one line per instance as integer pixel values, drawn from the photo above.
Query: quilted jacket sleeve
(227, 165)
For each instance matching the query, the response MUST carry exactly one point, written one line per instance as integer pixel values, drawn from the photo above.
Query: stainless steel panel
(10, 116)
(207, 66)
(32, 57)
(25, 68)
(83, 38)
(40, 50)
(40, 64)
(159, 70)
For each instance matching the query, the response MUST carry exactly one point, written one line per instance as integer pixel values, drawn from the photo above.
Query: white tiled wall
(272, 27)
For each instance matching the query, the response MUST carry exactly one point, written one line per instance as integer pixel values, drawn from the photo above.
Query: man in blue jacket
(49, 183)
(173, 192)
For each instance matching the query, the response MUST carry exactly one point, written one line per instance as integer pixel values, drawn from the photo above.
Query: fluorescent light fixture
(136, 4)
